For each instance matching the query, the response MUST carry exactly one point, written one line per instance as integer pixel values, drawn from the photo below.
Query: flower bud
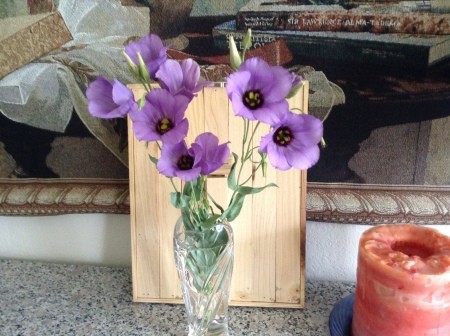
(131, 66)
(141, 102)
(235, 58)
(143, 71)
(247, 41)
(263, 162)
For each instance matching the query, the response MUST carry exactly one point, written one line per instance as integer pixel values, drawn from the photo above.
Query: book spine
(408, 23)
(348, 50)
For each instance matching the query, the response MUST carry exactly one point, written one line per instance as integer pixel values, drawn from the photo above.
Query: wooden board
(269, 268)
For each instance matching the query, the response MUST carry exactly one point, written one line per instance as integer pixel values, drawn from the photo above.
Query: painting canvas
(386, 107)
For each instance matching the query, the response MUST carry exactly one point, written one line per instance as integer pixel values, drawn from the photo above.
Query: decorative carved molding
(60, 196)
(341, 203)
(377, 204)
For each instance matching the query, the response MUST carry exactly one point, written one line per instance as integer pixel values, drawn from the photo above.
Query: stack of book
(412, 33)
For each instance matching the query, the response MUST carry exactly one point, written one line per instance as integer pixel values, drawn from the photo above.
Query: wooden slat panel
(145, 238)
(288, 238)
(215, 98)
(243, 278)
(265, 230)
(269, 233)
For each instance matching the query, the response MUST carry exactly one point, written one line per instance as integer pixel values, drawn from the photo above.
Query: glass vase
(204, 260)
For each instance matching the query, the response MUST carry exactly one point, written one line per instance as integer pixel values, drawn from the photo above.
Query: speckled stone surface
(54, 299)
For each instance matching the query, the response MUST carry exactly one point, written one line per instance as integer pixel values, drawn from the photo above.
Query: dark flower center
(185, 162)
(253, 99)
(164, 125)
(283, 136)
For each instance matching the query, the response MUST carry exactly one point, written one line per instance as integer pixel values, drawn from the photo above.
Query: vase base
(215, 329)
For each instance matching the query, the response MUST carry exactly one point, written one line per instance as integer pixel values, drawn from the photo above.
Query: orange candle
(403, 282)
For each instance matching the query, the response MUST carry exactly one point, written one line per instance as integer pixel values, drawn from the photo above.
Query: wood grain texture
(269, 243)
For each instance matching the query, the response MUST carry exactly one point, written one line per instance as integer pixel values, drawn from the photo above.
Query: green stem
(246, 156)
(244, 138)
(173, 184)
(250, 143)
(250, 177)
(147, 86)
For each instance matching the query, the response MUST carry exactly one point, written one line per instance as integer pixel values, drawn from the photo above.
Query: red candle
(403, 282)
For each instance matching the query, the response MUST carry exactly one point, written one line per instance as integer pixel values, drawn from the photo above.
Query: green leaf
(194, 188)
(231, 180)
(215, 203)
(153, 159)
(294, 90)
(250, 190)
(210, 221)
(179, 200)
(235, 207)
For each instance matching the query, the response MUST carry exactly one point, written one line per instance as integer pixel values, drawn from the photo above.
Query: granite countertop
(57, 299)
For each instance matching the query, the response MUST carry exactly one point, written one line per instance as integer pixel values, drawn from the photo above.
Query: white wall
(331, 249)
(90, 239)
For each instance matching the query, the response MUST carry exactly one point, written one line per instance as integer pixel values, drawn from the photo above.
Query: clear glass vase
(204, 259)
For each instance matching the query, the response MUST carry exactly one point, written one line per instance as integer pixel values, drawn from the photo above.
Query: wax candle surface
(403, 282)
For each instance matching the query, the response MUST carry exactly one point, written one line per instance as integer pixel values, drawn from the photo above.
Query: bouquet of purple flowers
(258, 94)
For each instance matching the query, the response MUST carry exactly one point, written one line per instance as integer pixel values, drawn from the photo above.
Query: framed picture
(386, 157)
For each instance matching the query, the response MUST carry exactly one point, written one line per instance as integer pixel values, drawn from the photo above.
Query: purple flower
(177, 161)
(213, 155)
(293, 142)
(161, 118)
(181, 78)
(204, 157)
(257, 91)
(152, 50)
(109, 100)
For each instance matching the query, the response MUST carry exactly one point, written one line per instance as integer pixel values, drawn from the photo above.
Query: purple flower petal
(310, 127)
(161, 118)
(239, 108)
(281, 84)
(293, 142)
(188, 175)
(212, 155)
(177, 134)
(170, 75)
(277, 157)
(191, 73)
(303, 157)
(258, 91)
(152, 50)
(237, 83)
(170, 154)
(107, 100)
(181, 79)
(256, 66)
(177, 161)
(272, 113)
